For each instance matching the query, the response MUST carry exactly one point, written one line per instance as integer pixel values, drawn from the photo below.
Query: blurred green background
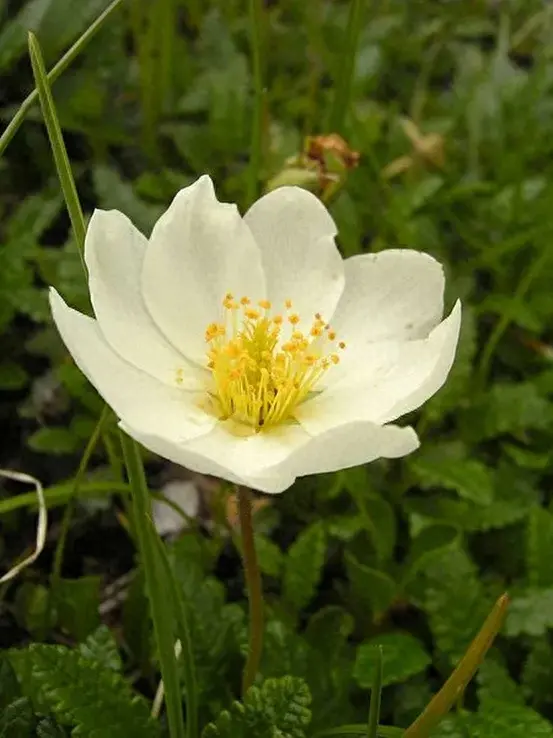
(450, 110)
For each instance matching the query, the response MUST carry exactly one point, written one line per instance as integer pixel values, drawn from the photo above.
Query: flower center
(262, 365)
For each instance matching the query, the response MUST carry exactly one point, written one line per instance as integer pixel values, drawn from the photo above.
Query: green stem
(158, 588)
(77, 481)
(185, 636)
(345, 76)
(69, 56)
(256, 11)
(444, 700)
(59, 151)
(376, 697)
(255, 593)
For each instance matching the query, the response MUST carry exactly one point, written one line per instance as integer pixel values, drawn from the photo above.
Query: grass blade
(158, 588)
(185, 637)
(59, 151)
(376, 695)
(448, 695)
(342, 92)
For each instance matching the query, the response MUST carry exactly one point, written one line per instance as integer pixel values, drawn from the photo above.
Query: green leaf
(32, 608)
(269, 556)
(402, 657)
(496, 720)
(303, 566)
(450, 592)
(471, 479)
(47, 728)
(277, 709)
(77, 602)
(494, 683)
(98, 702)
(537, 673)
(101, 646)
(17, 719)
(530, 613)
(374, 590)
(539, 553)
(507, 408)
(54, 441)
(9, 686)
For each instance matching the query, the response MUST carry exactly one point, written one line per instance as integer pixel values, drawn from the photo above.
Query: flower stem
(255, 594)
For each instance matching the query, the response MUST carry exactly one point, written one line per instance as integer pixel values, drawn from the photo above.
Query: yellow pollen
(342, 345)
(260, 369)
(331, 335)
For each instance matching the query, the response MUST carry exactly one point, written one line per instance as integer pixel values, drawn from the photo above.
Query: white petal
(295, 234)
(199, 250)
(395, 294)
(350, 445)
(114, 252)
(136, 397)
(270, 462)
(253, 461)
(385, 379)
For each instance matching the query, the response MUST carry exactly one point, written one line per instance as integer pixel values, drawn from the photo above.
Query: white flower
(246, 348)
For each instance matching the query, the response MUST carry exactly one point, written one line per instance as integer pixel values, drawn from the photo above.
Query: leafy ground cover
(449, 150)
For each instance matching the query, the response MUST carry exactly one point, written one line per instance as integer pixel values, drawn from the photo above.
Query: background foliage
(451, 109)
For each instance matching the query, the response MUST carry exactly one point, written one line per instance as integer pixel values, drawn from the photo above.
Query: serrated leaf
(507, 408)
(514, 497)
(80, 693)
(47, 728)
(496, 720)
(495, 684)
(303, 566)
(17, 719)
(373, 589)
(101, 646)
(402, 657)
(431, 542)
(471, 479)
(539, 555)
(9, 686)
(449, 590)
(269, 555)
(530, 613)
(277, 709)
(537, 673)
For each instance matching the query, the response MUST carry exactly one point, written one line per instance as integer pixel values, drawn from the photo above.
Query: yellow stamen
(259, 376)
